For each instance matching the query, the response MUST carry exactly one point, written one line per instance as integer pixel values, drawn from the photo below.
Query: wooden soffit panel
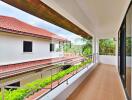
(41, 10)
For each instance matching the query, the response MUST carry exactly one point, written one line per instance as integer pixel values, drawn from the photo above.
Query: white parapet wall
(108, 59)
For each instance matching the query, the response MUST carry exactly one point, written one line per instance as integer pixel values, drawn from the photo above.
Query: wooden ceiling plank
(41, 10)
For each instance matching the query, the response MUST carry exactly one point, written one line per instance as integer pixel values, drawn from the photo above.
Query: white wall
(11, 49)
(128, 61)
(108, 59)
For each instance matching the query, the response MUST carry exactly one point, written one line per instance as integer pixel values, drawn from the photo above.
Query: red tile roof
(14, 25)
(14, 69)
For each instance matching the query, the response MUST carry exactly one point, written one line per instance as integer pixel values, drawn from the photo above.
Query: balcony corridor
(102, 84)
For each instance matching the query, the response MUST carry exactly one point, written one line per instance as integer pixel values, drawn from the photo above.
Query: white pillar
(116, 50)
(95, 48)
(94, 45)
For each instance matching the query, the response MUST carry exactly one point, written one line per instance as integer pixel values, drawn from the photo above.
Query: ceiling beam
(41, 10)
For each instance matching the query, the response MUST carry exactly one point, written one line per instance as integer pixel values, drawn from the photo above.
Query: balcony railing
(51, 75)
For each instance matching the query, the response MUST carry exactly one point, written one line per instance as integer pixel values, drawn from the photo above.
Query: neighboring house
(21, 42)
(28, 50)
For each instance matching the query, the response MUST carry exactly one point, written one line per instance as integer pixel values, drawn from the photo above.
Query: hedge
(30, 88)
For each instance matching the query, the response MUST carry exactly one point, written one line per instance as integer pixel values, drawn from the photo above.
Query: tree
(86, 47)
(106, 47)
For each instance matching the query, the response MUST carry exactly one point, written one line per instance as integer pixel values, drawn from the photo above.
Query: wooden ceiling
(41, 10)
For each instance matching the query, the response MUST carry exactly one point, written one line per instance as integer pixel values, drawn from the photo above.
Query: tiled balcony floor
(102, 84)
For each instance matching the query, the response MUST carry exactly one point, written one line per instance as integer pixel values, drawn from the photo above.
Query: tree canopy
(106, 47)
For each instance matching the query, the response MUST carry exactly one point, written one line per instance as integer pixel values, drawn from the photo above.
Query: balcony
(50, 79)
(98, 76)
(84, 83)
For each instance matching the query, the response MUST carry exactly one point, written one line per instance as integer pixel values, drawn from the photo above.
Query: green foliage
(84, 49)
(72, 48)
(87, 51)
(87, 47)
(106, 47)
(30, 88)
(128, 46)
(66, 47)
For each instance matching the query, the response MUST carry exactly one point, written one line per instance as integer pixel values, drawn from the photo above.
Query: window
(128, 52)
(58, 47)
(59, 44)
(52, 47)
(125, 54)
(107, 46)
(27, 46)
(15, 85)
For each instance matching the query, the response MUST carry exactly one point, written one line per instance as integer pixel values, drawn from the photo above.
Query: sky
(9, 10)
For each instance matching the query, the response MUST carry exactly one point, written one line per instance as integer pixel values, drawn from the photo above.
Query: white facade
(11, 49)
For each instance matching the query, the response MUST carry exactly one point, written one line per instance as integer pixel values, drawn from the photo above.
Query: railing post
(51, 77)
(86, 64)
(76, 69)
(92, 57)
(67, 79)
(58, 72)
(95, 57)
(2, 90)
(41, 74)
(67, 82)
(73, 73)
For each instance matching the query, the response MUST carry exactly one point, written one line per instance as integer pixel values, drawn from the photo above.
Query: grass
(30, 88)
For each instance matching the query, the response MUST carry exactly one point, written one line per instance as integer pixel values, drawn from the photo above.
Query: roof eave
(30, 34)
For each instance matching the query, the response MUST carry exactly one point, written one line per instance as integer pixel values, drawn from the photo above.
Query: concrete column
(116, 52)
(95, 48)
